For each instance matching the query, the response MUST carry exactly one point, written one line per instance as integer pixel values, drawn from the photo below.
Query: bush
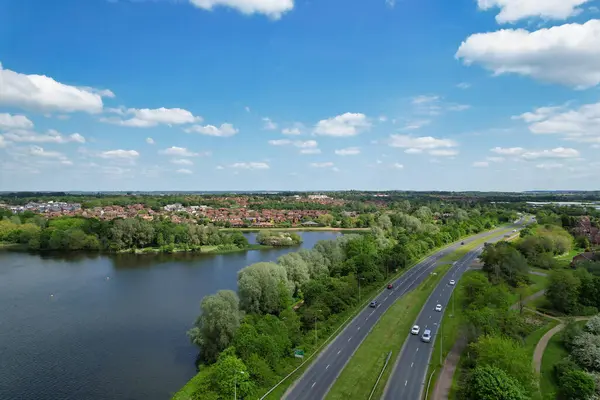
(576, 385)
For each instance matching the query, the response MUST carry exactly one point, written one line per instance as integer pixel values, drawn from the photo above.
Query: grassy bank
(360, 374)
(196, 249)
(299, 228)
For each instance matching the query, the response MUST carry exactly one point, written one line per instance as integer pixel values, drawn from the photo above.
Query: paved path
(541, 346)
(528, 299)
(444, 382)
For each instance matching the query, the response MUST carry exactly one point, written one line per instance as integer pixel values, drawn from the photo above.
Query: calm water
(107, 327)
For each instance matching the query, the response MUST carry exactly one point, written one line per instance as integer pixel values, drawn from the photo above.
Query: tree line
(248, 338)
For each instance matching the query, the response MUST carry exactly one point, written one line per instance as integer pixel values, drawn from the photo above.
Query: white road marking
(411, 364)
(349, 338)
(339, 352)
(430, 317)
(327, 367)
(405, 383)
(417, 349)
(359, 328)
(313, 385)
(371, 313)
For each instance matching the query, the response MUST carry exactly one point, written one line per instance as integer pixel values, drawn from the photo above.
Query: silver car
(426, 336)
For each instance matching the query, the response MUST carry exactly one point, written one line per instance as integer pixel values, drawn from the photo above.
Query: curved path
(538, 354)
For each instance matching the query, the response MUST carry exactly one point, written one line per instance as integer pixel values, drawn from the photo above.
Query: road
(322, 373)
(407, 379)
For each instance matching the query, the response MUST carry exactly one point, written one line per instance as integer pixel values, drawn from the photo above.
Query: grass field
(360, 374)
(553, 354)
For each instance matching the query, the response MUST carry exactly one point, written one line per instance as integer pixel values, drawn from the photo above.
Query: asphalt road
(322, 373)
(407, 380)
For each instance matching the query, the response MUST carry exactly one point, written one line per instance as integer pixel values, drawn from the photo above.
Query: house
(311, 223)
(587, 256)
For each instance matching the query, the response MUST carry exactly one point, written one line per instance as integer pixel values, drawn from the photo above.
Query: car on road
(438, 307)
(462, 243)
(373, 304)
(415, 330)
(426, 336)
(452, 282)
(390, 286)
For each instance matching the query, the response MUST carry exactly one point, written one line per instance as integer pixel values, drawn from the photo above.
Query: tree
(318, 266)
(586, 351)
(384, 222)
(593, 325)
(563, 291)
(576, 385)
(231, 374)
(296, 268)
(503, 262)
(325, 219)
(259, 288)
(490, 383)
(217, 324)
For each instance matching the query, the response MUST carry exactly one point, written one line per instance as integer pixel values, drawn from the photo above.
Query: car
(438, 307)
(390, 286)
(462, 243)
(373, 304)
(514, 230)
(415, 330)
(426, 336)
(452, 282)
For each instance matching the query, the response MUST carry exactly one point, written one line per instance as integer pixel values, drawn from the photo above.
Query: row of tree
(75, 233)
(278, 305)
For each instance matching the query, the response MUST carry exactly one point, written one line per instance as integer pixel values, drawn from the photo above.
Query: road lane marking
(339, 352)
(411, 364)
(359, 328)
(327, 367)
(417, 349)
(349, 338)
(371, 313)
(313, 385)
(405, 383)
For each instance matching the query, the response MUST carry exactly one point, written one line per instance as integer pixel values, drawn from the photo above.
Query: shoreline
(297, 229)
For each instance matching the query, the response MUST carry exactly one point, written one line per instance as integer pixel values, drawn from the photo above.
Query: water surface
(104, 327)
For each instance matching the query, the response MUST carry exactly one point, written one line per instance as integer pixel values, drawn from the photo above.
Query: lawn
(552, 355)
(360, 374)
(564, 260)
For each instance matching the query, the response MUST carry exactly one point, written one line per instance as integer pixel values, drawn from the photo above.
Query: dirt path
(528, 299)
(541, 346)
(444, 382)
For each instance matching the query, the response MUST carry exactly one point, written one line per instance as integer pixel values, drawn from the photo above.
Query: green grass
(191, 387)
(534, 337)
(552, 355)
(360, 374)
(564, 260)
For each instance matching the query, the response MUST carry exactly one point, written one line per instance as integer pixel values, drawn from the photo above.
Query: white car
(426, 336)
(438, 307)
(452, 282)
(415, 330)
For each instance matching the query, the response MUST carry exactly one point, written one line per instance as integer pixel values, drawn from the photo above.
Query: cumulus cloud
(8, 121)
(581, 124)
(432, 105)
(349, 151)
(568, 54)
(397, 166)
(424, 99)
(508, 151)
(306, 146)
(225, 130)
(51, 136)
(120, 154)
(273, 9)
(559, 152)
(40, 152)
(250, 165)
(310, 151)
(348, 124)
(413, 125)
(552, 165)
(481, 164)
(180, 152)
(321, 164)
(43, 93)
(428, 144)
(183, 171)
(514, 10)
(280, 142)
(147, 118)
(268, 124)
(463, 85)
(149, 140)
(182, 161)
(295, 129)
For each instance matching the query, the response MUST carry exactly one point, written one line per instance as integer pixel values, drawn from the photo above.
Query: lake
(97, 327)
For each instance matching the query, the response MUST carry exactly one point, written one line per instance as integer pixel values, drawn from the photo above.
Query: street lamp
(359, 279)
(235, 384)
(316, 336)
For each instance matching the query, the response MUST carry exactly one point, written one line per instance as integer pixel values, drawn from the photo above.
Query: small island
(278, 238)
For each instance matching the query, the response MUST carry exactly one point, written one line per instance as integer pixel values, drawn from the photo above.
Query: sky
(489, 95)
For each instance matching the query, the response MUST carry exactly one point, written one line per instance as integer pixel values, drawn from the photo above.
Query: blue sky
(299, 95)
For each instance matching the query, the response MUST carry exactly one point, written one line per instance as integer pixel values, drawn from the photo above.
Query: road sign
(299, 353)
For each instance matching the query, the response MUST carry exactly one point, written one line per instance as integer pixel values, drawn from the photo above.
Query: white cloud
(418, 144)
(495, 159)
(51, 136)
(390, 3)
(432, 106)
(307, 144)
(183, 171)
(280, 142)
(250, 165)
(2, 142)
(425, 99)
(559, 152)
(568, 54)
(182, 161)
(40, 152)
(8, 121)
(397, 166)
(443, 152)
(321, 165)
(146, 118)
(225, 130)
(413, 125)
(481, 164)
(580, 125)
(310, 151)
(382, 118)
(413, 151)
(514, 10)
(271, 8)
(458, 107)
(269, 124)
(552, 165)
(247, 109)
(120, 154)
(349, 151)
(42, 93)
(348, 124)
(179, 152)
(149, 140)
(219, 167)
(295, 129)
(511, 151)
(463, 85)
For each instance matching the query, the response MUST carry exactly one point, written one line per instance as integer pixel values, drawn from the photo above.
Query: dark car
(373, 304)
(390, 286)
(462, 243)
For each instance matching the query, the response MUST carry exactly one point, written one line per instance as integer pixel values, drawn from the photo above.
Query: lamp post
(316, 336)
(359, 279)
(235, 384)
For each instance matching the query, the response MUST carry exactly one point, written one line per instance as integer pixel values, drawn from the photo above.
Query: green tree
(563, 291)
(259, 288)
(217, 324)
(296, 268)
(231, 375)
(576, 385)
(490, 383)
